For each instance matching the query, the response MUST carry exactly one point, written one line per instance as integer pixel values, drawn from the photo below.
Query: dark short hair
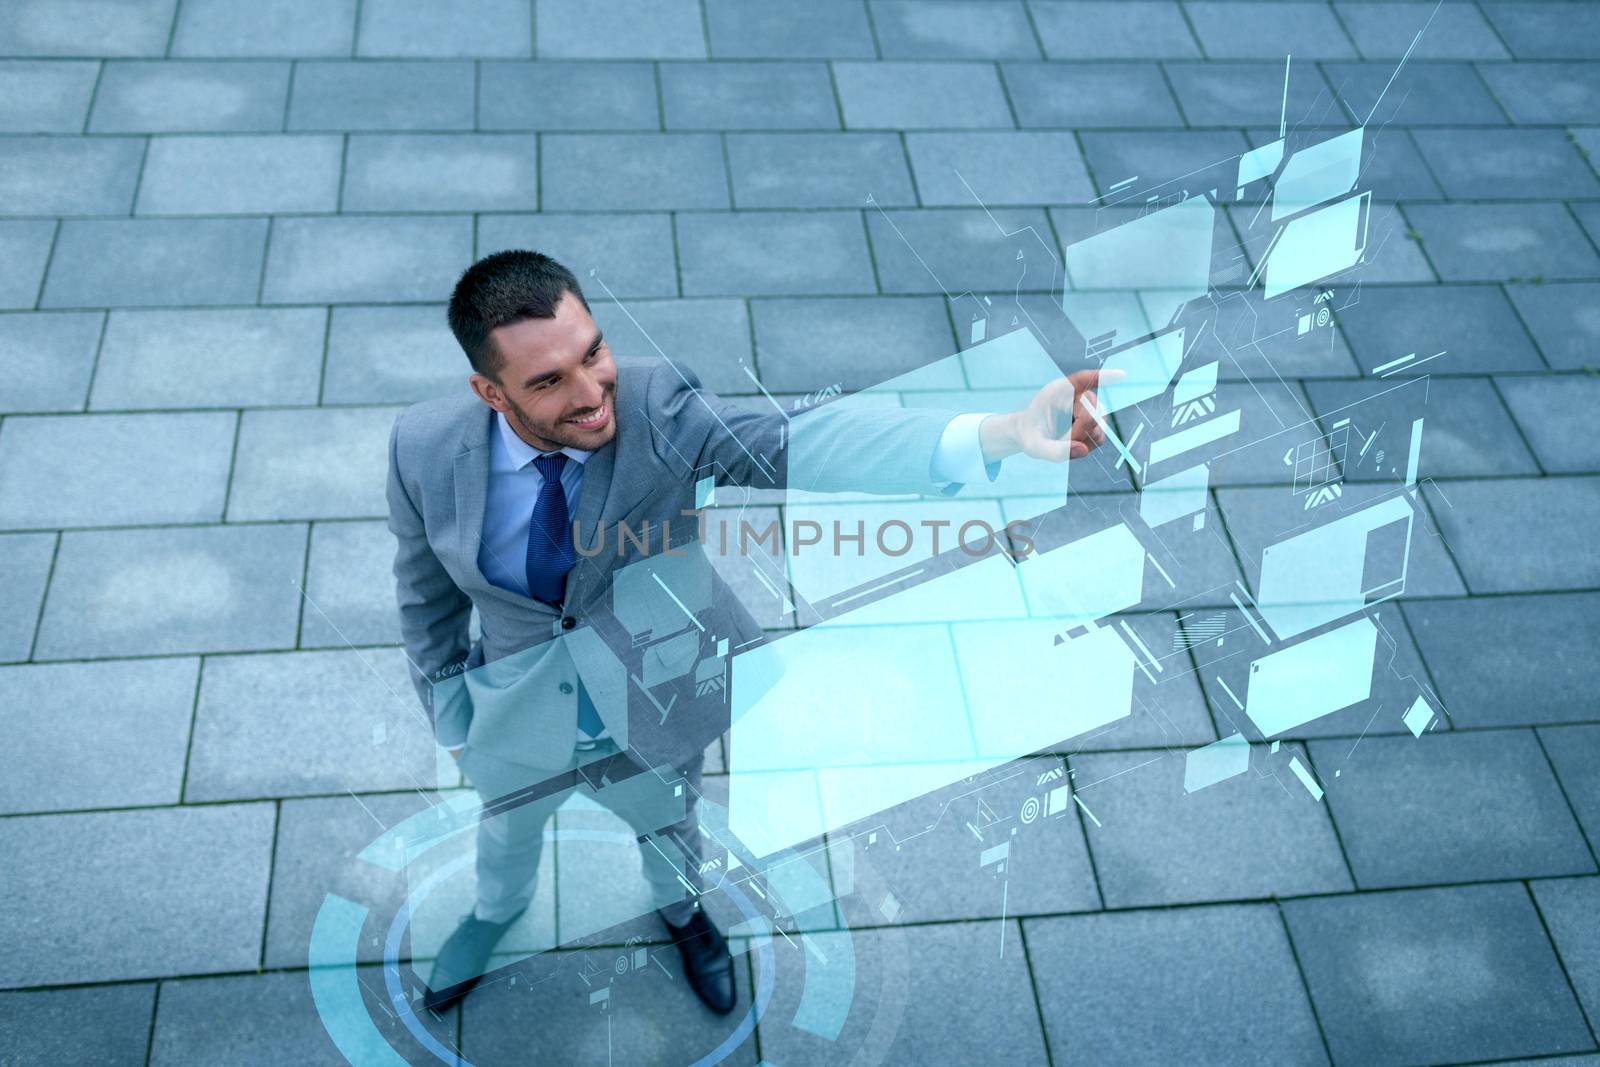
(501, 289)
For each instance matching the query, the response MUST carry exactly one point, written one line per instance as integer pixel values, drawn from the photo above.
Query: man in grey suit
(601, 649)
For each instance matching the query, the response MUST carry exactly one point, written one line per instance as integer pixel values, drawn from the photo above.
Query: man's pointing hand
(1055, 425)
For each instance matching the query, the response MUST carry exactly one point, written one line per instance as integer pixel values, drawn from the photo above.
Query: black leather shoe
(706, 962)
(462, 958)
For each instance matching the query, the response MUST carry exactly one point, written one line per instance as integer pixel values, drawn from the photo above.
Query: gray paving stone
(373, 258)
(774, 253)
(311, 463)
(319, 844)
(190, 96)
(1474, 324)
(1479, 164)
(1250, 341)
(1588, 141)
(135, 894)
(962, 29)
(1086, 95)
(1273, 417)
(1545, 92)
(626, 29)
(1434, 975)
(349, 587)
(47, 359)
(632, 253)
(25, 245)
(1161, 157)
(1424, 94)
(1467, 431)
(1172, 986)
(1259, 517)
(163, 591)
(1589, 217)
(1113, 29)
(45, 96)
(155, 262)
(1494, 242)
(921, 96)
(469, 29)
(804, 345)
(1386, 30)
(259, 1020)
(1564, 320)
(1461, 807)
(631, 172)
(710, 337)
(1573, 751)
(1536, 669)
(550, 95)
(112, 470)
(24, 568)
(85, 751)
(809, 170)
(68, 175)
(1391, 165)
(42, 28)
(1250, 93)
(549, 1014)
(1158, 845)
(1548, 30)
(1569, 906)
(1522, 535)
(346, 95)
(108, 1025)
(824, 29)
(442, 172)
(241, 175)
(1551, 413)
(298, 723)
(965, 249)
(735, 96)
(1004, 167)
(906, 979)
(301, 28)
(227, 358)
(1232, 30)
(392, 355)
(928, 860)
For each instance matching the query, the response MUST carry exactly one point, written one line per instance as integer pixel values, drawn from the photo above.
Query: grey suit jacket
(657, 676)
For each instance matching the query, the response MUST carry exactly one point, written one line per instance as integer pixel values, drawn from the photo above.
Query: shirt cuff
(958, 457)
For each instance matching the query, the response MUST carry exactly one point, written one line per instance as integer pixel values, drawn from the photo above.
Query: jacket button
(565, 687)
(568, 622)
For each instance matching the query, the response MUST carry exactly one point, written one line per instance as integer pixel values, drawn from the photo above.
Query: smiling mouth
(594, 420)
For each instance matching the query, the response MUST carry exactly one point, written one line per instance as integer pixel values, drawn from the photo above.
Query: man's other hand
(1055, 425)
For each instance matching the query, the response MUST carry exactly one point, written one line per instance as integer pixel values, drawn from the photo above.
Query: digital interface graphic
(923, 684)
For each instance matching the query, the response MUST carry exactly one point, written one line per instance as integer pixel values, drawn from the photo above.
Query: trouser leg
(670, 852)
(510, 842)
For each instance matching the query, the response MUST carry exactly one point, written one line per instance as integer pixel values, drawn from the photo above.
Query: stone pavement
(228, 229)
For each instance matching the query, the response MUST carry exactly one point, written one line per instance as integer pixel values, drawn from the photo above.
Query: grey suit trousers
(510, 837)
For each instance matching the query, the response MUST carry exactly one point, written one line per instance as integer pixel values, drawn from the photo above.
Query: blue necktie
(550, 557)
(549, 534)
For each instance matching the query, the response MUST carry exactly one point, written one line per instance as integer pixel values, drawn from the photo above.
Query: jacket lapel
(594, 496)
(471, 477)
